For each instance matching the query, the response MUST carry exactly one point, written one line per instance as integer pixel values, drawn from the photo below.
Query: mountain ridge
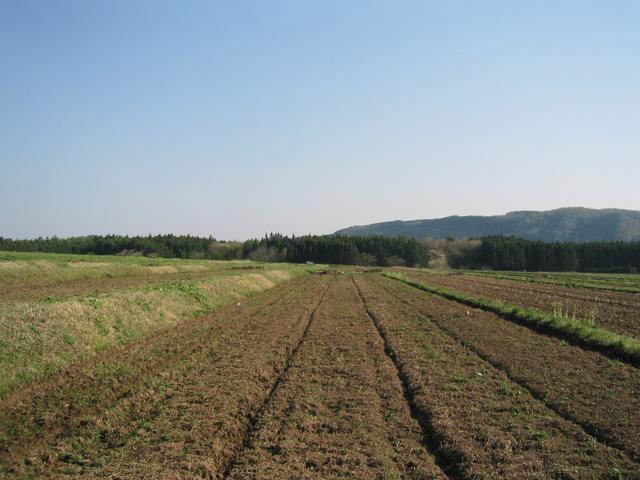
(577, 224)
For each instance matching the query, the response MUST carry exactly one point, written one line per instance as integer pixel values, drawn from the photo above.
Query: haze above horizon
(239, 118)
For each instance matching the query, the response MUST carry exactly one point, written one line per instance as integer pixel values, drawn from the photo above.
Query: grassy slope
(34, 269)
(43, 337)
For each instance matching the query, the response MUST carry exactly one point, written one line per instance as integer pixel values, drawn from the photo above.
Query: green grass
(586, 334)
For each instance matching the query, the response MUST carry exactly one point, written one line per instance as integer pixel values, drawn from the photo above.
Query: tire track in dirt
(339, 411)
(429, 435)
(604, 433)
(174, 406)
(490, 427)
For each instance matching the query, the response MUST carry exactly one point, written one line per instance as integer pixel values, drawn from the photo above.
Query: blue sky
(238, 118)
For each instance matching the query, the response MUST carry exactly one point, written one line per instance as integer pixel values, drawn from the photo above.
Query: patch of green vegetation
(124, 330)
(401, 327)
(92, 300)
(458, 378)
(101, 328)
(584, 333)
(145, 305)
(615, 474)
(113, 370)
(35, 330)
(508, 389)
(189, 288)
(430, 353)
(50, 299)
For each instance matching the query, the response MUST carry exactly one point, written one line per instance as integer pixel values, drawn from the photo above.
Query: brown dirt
(585, 387)
(615, 311)
(327, 376)
(487, 425)
(340, 411)
(175, 405)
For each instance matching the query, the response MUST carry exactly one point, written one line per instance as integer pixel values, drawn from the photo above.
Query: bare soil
(331, 376)
(598, 394)
(615, 311)
(487, 424)
(340, 410)
(175, 405)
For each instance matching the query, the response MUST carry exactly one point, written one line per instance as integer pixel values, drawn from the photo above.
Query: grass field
(238, 370)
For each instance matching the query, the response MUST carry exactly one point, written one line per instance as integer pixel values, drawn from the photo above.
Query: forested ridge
(572, 224)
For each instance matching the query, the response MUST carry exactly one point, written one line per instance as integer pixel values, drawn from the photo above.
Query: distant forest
(496, 252)
(511, 253)
(168, 246)
(376, 250)
(383, 251)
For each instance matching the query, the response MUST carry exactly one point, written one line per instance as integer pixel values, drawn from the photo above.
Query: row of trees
(169, 246)
(335, 249)
(510, 253)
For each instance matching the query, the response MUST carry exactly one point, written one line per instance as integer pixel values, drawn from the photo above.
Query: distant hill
(564, 224)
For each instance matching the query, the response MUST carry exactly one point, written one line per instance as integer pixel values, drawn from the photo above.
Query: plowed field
(332, 376)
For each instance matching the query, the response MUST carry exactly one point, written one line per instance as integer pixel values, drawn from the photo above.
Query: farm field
(56, 310)
(280, 371)
(614, 310)
(621, 282)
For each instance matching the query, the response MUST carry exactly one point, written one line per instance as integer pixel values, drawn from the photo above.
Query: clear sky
(238, 118)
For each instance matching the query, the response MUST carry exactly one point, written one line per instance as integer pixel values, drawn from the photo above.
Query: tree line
(511, 253)
(335, 249)
(167, 246)
(338, 249)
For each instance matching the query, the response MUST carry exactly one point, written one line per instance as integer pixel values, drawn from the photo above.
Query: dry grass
(28, 270)
(41, 338)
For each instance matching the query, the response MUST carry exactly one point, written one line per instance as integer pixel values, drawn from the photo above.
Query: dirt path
(618, 312)
(340, 411)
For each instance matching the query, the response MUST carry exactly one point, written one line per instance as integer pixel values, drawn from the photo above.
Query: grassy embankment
(26, 270)
(581, 332)
(43, 336)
